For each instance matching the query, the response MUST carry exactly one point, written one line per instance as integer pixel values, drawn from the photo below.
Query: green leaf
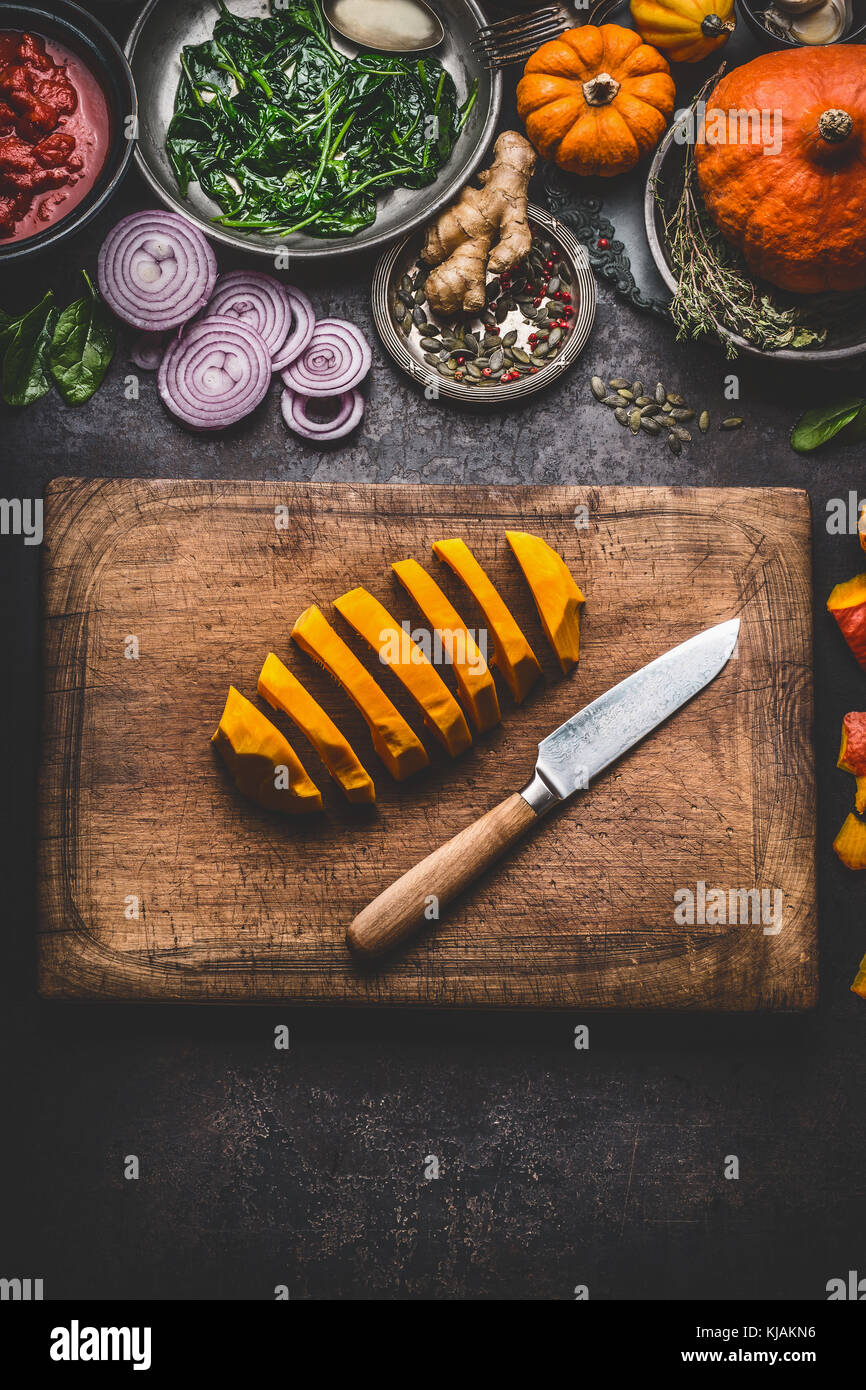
(25, 376)
(819, 426)
(82, 348)
(855, 431)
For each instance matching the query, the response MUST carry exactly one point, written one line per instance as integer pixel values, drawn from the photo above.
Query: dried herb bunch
(716, 294)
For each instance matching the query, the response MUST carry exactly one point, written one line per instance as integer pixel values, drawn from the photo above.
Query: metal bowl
(153, 50)
(841, 346)
(409, 355)
(751, 12)
(80, 32)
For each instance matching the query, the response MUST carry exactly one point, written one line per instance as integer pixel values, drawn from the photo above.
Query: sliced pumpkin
(474, 681)
(850, 843)
(400, 749)
(284, 691)
(512, 653)
(859, 985)
(852, 754)
(395, 648)
(847, 603)
(263, 764)
(556, 595)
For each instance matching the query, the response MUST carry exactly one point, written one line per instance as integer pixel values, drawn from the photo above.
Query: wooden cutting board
(158, 881)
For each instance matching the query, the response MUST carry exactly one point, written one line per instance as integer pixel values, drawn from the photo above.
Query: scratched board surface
(157, 880)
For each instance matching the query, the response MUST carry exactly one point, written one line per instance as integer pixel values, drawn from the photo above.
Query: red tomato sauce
(54, 133)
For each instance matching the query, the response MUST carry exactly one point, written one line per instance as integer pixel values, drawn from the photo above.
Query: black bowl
(750, 10)
(77, 30)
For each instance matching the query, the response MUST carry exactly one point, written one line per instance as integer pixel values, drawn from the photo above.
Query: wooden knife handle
(402, 908)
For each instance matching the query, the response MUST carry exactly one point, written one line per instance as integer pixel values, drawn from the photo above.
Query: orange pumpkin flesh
(596, 100)
(557, 596)
(797, 215)
(859, 985)
(850, 843)
(261, 760)
(847, 603)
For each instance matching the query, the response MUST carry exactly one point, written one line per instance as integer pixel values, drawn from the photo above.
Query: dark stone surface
(558, 1167)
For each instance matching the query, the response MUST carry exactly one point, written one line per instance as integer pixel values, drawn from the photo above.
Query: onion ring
(217, 372)
(156, 270)
(257, 300)
(294, 409)
(301, 331)
(336, 358)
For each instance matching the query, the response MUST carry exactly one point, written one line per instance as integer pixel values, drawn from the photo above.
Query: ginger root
(459, 242)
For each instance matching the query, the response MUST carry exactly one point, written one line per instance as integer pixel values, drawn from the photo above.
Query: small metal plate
(153, 49)
(406, 349)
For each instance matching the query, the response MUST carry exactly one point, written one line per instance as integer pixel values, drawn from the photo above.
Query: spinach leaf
(82, 347)
(25, 376)
(819, 426)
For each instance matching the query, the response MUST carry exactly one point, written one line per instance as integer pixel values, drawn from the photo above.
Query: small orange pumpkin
(596, 100)
(798, 213)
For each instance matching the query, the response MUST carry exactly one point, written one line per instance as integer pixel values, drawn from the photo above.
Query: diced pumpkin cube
(512, 652)
(400, 749)
(285, 692)
(852, 753)
(847, 603)
(474, 681)
(557, 596)
(850, 843)
(263, 764)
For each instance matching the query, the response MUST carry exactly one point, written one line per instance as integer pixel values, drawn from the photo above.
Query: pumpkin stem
(835, 125)
(712, 27)
(600, 90)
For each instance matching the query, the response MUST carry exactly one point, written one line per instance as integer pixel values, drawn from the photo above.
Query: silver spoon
(390, 26)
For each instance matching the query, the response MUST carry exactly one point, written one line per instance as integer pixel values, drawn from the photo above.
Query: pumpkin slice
(852, 754)
(263, 764)
(556, 595)
(847, 603)
(282, 690)
(859, 985)
(850, 843)
(442, 714)
(400, 749)
(512, 653)
(474, 681)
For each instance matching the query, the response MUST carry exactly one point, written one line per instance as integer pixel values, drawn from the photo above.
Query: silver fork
(516, 38)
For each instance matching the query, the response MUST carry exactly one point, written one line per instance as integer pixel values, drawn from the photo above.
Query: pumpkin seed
(543, 335)
(667, 407)
(407, 322)
(615, 401)
(419, 297)
(501, 312)
(637, 389)
(405, 284)
(538, 360)
(541, 350)
(650, 425)
(521, 355)
(648, 411)
(471, 341)
(508, 355)
(674, 444)
(644, 400)
(491, 340)
(511, 337)
(616, 383)
(660, 393)
(733, 422)
(553, 284)
(680, 432)
(598, 388)
(431, 359)
(452, 364)
(445, 370)
(621, 414)
(682, 413)
(473, 369)
(673, 399)
(634, 420)
(419, 317)
(626, 393)
(555, 336)
(704, 421)
(497, 360)
(430, 344)
(492, 291)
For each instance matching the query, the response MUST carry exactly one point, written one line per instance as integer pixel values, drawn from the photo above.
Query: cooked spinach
(284, 132)
(82, 347)
(25, 376)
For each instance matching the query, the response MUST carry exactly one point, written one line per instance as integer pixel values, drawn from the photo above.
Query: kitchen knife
(568, 759)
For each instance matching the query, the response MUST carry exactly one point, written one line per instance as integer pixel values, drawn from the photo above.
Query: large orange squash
(797, 215)
(596, 99)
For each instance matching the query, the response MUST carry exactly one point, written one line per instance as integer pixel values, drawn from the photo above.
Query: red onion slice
(216, 373)
(336, 358)
(303, 323)
(156, 270)
(257, 300)
(349, 412)
(147, 351)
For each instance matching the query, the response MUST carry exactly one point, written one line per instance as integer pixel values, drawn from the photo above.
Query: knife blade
(568, 759)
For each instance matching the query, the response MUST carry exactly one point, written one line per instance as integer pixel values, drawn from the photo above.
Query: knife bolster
(538, 795)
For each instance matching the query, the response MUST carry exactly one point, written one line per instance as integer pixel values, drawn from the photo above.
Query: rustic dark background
(305, 1168)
